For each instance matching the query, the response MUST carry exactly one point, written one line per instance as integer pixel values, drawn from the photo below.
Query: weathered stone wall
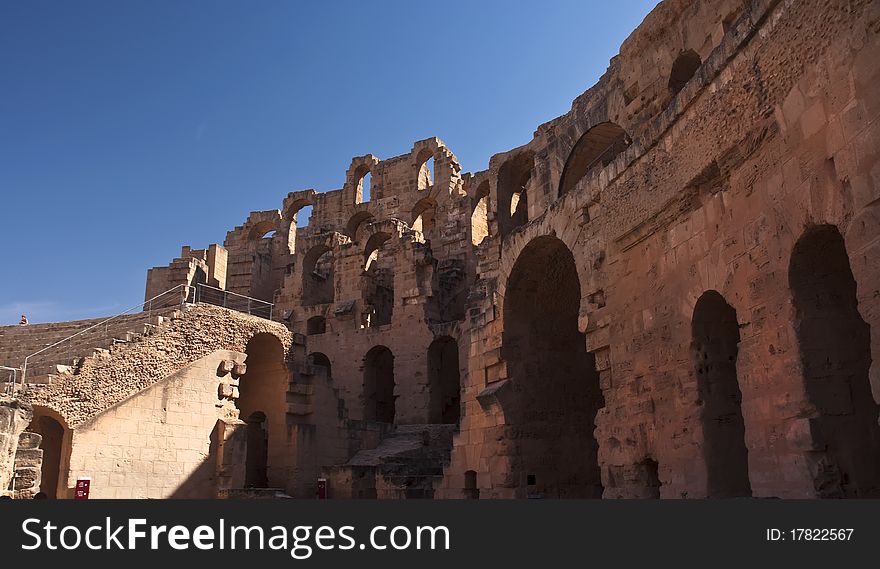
(14, 418)
(163, 442)
(106, 379)
(768, 138)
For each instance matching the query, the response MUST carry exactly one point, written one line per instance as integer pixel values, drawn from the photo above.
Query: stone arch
(317, 276)
(357, 221)
(423, 215)
(56, 446)
(262, 405)
(444, 381)
(835, 352)
(316, 325)
(480, 213)
(321, 360)
(261, 229)
(594, 149)
(683, 68)
(379, 385)
(514, 178)
(377, 283)
(291, 214)
(364, 178)
(374, 243)
(714, 349)
(426, 168)
(555, 391)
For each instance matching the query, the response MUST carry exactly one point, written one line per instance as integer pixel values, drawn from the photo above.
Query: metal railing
(207, 294)
(176, 296)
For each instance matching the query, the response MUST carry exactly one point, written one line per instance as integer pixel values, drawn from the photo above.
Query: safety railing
(173, 297)
(212, 295)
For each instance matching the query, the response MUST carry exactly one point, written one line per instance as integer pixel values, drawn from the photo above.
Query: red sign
(82, 488)
(322, 488)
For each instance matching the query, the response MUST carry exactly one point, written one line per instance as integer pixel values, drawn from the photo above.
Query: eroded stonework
(668, 292)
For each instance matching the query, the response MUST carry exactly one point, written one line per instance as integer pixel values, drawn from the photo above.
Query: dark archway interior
(257, 459)
(379, 385)
(554, 379)
(683, 68)
(262, 404)
(321, 360)
(316, 325)
(377, 282)
(715, 345)
(318, 286)
(835, 347)
(595, 148)
(513, 180)
(471, 491)
(52, 444)
(444, 381)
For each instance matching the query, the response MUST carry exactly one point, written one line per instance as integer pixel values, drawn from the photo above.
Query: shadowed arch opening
(423, 215)
(56, 447)
(714, 348)
(835, 351)
(377, 283)
(444, 381)
(316, 325)
(480, 214)
(594, 149)
(364, 188)
(262, 405)
(317, 281)
(683, 68)
(321, 360)
(555, 385)
(514, 177)
(261, 230)
(355, 224)
(299, 213)
(425, 160)
(379, 385)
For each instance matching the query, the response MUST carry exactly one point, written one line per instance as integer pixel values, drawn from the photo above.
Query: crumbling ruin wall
(106, 379)
(764, 143)
(14, 418)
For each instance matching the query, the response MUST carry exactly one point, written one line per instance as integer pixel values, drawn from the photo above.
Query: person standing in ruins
(24, 321)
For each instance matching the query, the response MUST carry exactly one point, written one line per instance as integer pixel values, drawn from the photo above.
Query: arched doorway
(556, 390)
(262, 405)
(444, 381)
(55, 446)
(379, 385)
(714, 348)
(835, 351)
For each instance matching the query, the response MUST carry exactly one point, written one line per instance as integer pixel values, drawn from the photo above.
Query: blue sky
(128, 129)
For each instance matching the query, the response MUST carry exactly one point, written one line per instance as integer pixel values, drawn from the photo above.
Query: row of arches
(363, 175)
(556, 390)
(444, 383)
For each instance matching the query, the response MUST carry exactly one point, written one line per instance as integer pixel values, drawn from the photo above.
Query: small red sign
(322, 488)
(82, 488)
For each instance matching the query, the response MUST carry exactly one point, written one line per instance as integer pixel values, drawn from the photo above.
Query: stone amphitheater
(668, 292)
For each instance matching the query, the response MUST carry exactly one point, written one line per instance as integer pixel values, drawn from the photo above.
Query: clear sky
(128, 129)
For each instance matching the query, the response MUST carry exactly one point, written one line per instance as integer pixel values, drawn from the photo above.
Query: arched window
(316, 325)
(379, 385)
(714, 349)
(683, 68)
(480, 214)
(514, 177)
(317, 281)
(423, 215)
(594, 149)
(425, 161)
(364, 176)
(835, 351)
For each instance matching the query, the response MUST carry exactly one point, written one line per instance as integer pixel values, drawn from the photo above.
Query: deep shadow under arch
(556, 391)
(835, 350)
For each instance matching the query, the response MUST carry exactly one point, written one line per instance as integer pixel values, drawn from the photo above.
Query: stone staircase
(18, 342)
(406, 464)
